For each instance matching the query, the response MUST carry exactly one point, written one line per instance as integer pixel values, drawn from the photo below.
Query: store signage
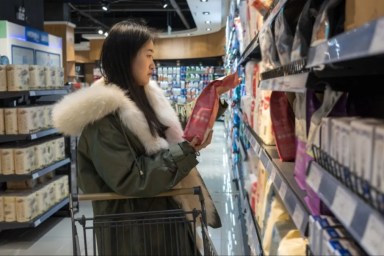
(36, 36)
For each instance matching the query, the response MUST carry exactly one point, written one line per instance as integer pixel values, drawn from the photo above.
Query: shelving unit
(363, 222)
(32, 136)
(33, 93)
(38, 220)
(281, 175)
(37, 173)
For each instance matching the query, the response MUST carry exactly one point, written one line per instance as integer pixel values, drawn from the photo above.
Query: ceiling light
(165, 3)
(203, 0)
(208, 29)
(206, 13)
(106, 34)
(100, 31)
(104, 5)
(207, 22)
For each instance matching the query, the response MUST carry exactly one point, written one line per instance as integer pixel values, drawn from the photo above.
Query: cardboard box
(358, 12)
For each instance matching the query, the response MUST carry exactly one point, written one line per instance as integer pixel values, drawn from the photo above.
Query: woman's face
(143, 64)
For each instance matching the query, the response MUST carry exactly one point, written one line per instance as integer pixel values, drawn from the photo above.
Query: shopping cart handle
(115, 196)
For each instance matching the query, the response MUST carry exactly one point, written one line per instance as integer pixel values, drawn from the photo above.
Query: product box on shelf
(325, 134)
(358, 12)
(7, 160)
(331, 234)
(40, 151)
(50, 76)
(377, 179)
(1, 208)
(322, 223)
(24, 158)
(42, 199)
(362, 134)
(26, 206)
(10, 121)
(18, 77)
(58, 147)
(3, 78)
(342, 247)
(28, 119)
(37, 77)
(2, 123)
(59, 77)
(9, 203)
(48, 116)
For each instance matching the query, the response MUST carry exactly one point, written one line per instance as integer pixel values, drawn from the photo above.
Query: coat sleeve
(150, 175)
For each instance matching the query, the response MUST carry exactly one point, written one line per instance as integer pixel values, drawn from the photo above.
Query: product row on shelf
(182, 84)
(303, 114)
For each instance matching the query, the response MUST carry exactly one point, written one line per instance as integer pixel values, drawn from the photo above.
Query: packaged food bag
(206, 107)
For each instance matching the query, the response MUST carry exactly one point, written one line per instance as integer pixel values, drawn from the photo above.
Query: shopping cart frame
(208, 248)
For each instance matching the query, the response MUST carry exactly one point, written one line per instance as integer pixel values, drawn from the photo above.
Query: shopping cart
(182, 225)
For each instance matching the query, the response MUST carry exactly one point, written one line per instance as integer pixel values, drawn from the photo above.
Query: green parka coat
(117, 153)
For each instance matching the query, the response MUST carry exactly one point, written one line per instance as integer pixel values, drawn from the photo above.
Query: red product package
(204, 113)
(283, 125)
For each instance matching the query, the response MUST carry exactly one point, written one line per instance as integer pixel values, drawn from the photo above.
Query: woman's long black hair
(121, 46)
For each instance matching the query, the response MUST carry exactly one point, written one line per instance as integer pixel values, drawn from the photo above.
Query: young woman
(131, 143)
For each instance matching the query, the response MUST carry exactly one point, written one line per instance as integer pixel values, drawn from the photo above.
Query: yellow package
(292, 244)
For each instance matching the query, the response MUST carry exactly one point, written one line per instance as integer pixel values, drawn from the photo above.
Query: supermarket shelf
(33, 93)
(363, 222)
(35, 174)
(292, 83)
(251, 52)
(344, 47)
(38, 220)
(253, 231)
(281, 174)
(32, 136)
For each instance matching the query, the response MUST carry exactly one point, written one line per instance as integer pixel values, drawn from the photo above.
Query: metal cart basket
(184, 240)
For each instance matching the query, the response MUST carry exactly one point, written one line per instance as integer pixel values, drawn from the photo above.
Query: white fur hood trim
(85, 106)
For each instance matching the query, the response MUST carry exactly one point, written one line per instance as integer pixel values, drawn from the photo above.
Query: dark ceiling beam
(88, 16)
(181, 15)
(133, 10)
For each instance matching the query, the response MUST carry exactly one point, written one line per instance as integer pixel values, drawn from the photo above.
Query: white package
(50, 76)
(59, 77)
(313, 239)
(330, 234)
(18, 77)
(340, 142)
(26, 206)
(9, 207)
(321, 224)
(37, 77)
(2, 123)
(59, 149)
(24, 159)
(27, 120)
(40, 151)
(3, 78)
(7, 161)
(377, 179)
(362, 132)
(339, 247)
(42, 200)
(325, 140)
(10, 121)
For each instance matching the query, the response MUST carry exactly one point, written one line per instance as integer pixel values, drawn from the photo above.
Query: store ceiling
(179, 18)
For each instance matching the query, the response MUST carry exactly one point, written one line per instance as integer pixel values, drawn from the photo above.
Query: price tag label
(344, 205)
(298, 216)
(378, 38)
(273, 174)
(315, 177)
(283, 190)
(373, 236)
(37, 222)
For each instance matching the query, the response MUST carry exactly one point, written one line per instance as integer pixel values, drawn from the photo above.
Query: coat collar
(85, 106)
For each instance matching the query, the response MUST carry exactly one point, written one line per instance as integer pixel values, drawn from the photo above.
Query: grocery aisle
(54, 237)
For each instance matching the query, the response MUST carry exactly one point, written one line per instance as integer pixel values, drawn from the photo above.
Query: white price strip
(283, 190)
(373, 236)
(37, 222)
(314, 178)
(273, 174)
(377, 45)
(344, 205)
(298, 216)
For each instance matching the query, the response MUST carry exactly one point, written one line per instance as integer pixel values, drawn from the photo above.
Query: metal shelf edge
(37, 221)
(364, 223)
(35, 174)
(291, 83)
(32, 136)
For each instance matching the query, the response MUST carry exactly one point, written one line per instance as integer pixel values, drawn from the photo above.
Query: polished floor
(54, 236)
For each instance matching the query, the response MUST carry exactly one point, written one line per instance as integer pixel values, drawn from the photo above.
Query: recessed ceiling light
(106, 34)
(206, 13)
(207, 22)
(208, 29)
(203, 0)
(100, 31)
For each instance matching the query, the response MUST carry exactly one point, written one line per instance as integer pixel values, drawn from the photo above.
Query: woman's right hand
(205, 143)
